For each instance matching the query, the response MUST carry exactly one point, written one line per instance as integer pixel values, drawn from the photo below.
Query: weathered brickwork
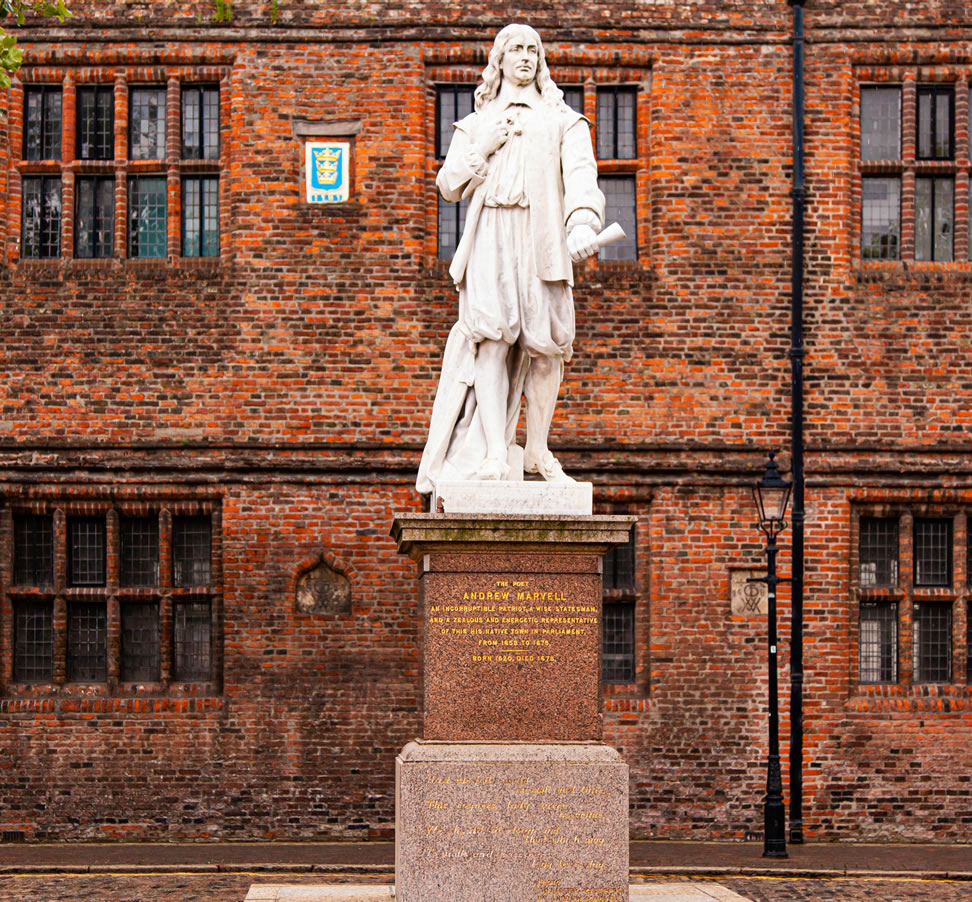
(289, 382)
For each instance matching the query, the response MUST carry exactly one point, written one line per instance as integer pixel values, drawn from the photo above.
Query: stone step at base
(641, 892)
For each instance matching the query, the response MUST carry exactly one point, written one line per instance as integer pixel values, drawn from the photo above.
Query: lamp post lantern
(771, 494)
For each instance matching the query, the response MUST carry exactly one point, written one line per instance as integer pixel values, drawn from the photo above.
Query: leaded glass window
(618, 652)
(936, 122)
(96, 122)
(41, 226)
(139, 641)
(200, 122)
(139, 551)
(147, 224)
(933, 642)
(33, 641)
(193, 640)
(619, 198)
(933, 552)
(94, 220)
(200, 216)
(34, 550)
(87, 642)
(616, 121)
(879, 642)
(881, 209)
(42, 122)
(86, 551)
(880, 123)
(147, 123)
(191, 551)
(934, 218)
(878, 555)
(452, 103)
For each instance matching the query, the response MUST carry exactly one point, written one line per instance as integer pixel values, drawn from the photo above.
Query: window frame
(908, 597)
(913, 83)
(45, 90)
(66, 603)
(45, 225)
(118, 79)
(96, 90)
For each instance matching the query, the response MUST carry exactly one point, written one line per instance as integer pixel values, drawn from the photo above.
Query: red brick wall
(294, 378)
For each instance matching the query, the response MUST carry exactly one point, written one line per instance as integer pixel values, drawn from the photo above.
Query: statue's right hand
(494, 137)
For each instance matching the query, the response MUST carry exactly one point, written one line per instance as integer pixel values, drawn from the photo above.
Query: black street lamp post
(771, 495)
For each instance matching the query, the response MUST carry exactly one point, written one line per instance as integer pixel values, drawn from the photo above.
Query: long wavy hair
(493, 73)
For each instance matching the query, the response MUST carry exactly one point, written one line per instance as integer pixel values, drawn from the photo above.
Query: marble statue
(525, 161)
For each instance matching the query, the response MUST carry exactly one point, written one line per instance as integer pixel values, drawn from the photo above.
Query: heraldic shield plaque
(326, 168)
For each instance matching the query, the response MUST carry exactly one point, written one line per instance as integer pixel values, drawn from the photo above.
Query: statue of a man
(525, 161)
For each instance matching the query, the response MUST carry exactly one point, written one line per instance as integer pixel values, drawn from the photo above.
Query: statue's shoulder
(467, 124)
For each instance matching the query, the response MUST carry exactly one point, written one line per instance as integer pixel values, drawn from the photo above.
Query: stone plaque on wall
(747, 599)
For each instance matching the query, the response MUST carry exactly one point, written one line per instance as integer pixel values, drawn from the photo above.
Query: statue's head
(514, 35)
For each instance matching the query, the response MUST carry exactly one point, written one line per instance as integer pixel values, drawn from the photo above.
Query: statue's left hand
(581, 243)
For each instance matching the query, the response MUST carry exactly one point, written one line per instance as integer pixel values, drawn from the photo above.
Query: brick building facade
(215, 395)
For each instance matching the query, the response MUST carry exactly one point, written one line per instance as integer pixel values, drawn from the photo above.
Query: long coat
(561, 178)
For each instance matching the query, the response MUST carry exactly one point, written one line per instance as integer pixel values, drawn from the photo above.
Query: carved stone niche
(322, 590)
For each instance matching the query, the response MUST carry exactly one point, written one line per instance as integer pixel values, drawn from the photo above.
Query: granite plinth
(512, 646)
(568, 499)
(508, 822)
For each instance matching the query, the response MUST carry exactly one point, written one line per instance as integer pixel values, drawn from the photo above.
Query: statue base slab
(533, 497)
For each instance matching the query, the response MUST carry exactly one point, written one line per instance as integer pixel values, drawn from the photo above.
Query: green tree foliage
(11, 56)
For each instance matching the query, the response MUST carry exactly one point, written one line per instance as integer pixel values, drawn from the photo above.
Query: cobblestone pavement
(233, 887)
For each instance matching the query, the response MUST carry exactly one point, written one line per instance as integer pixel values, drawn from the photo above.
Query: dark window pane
(619, 197)
(41, 235)
(200, 216)
(878, 551)
(34, 550)
(936, 126)
(452, 103)
(934, 218)
(879, 642)
(87, 642)
(881, 226)
(139, 551)
(33, 641)
(147, 226)
(880, 123)
(191, 551)
(96, 122)
(619, 565)
(616, 119)
(574, 97)
(452, 220)
(617, 659)
(146, 124)
(139, 641)
(193, 633)
(42, 123)
(933, 642)
(94, 224)
(86, 551)
(933, 552)
(200, 123)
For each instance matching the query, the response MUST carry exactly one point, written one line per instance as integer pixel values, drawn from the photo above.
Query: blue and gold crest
(326, 166)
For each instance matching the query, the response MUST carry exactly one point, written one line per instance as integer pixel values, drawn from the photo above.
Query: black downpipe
(796, 447)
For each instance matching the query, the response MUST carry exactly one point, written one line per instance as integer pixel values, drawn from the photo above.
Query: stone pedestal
(510, 822)
(510, 796)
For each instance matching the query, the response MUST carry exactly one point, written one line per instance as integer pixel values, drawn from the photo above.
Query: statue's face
(520, 59)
